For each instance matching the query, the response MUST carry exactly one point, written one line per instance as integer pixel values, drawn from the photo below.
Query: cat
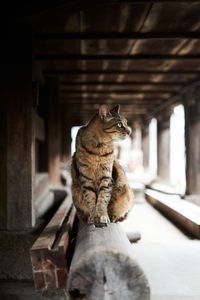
(100, 190)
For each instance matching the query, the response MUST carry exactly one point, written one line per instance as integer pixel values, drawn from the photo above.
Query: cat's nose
(128, 131)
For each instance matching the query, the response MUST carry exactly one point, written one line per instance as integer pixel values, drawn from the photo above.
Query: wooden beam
(149, 1)
(48, 36)
(115, 97)
(129, 104)
(160, 83)
(179, 211)
(48, 253)
(119, 92)
(91, 112)
(116, 71)
(47, 7)
(117, 101)
(104, 266)
(69, 56)
(131, 99)
(178, 98)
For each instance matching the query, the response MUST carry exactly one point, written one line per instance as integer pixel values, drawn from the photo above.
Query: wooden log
(104, 267)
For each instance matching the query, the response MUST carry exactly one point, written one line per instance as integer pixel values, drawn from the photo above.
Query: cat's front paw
(91, 219)
(104, 219)
(99, 220)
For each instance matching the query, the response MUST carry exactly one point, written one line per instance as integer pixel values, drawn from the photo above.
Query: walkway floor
(170, 259)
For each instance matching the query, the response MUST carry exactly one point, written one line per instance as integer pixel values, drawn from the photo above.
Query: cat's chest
(96, 167)
(100, 166)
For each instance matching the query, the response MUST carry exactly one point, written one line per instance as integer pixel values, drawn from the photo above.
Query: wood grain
(104, 267)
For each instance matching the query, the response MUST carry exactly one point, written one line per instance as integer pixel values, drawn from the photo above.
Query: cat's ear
(103, 111)
(115, 109)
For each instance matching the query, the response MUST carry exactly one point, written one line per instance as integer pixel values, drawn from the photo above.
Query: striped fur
(99, 187)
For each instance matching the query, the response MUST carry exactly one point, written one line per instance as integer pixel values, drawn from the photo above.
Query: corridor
(61, 62)
(169, 258)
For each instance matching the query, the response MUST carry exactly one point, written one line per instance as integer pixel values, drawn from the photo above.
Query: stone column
(164, 147)
(192, 142)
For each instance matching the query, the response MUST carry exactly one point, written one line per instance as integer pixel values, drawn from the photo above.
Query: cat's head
(113, 124)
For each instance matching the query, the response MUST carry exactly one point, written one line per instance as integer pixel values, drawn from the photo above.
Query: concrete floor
(170, 259)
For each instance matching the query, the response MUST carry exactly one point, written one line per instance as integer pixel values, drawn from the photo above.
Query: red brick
(39, 280)
(51, 279)
(36, 260)
(57, 258)
(62, 278)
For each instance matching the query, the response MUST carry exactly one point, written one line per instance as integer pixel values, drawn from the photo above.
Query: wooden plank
(182, 212)
(48, 236)
(48, 253)
(104, 267)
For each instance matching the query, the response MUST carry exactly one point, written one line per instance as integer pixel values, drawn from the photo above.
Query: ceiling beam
(116, 35)
(178, 98)
(116, 100)
(115, 57)
(176, 83)
(24, 10)
(119, 92)
(149, 1)
(129, 103)
(116, 71)
(92, 111)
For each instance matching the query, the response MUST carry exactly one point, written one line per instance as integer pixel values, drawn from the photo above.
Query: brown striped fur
(99, 186)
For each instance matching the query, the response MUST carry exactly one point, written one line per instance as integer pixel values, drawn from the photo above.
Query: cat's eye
(120, 125)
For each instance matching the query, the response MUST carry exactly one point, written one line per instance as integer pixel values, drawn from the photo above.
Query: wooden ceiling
(141, 54)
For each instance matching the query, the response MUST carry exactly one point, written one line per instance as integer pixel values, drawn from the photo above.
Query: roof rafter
(173, 83)
(117, 57)
(117, 35)
(119, 92)
(117, 71)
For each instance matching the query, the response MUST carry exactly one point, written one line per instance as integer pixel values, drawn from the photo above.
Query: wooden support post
(145, 147)
(16, 132)
(104, 267)
(53, 130)
(192, 142)
(66, 134)
(163, 148)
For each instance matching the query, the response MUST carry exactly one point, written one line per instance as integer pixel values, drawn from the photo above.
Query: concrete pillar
(192, 140)
(54, 121)
(164, 148)
(145, 147)
(16, 133)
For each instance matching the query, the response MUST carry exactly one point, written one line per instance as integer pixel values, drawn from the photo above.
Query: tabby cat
(99, 186)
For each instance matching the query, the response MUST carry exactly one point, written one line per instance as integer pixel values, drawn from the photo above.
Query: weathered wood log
(104, 267)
